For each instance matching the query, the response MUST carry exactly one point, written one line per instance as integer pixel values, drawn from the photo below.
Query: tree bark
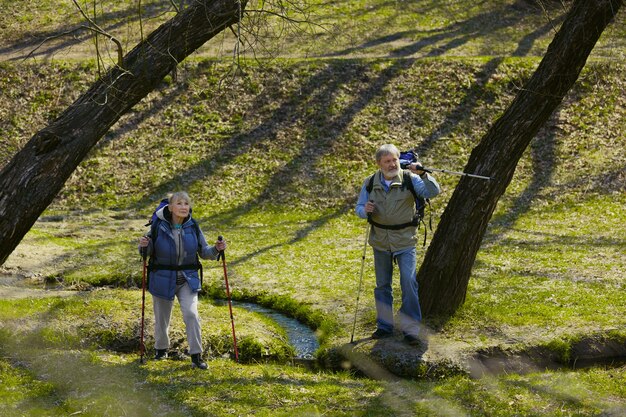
(35, 175)
(445, 272)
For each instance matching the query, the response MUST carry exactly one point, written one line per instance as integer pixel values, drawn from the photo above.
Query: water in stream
(300, 336)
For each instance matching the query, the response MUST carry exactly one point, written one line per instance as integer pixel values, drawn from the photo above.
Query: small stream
(300, 336)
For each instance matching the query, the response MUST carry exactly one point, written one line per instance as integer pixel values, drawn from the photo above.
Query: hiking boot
(412, 340)
(381, 334)
(160, 354)
(197, 362)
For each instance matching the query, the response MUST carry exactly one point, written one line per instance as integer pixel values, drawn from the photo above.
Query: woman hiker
(173, 244)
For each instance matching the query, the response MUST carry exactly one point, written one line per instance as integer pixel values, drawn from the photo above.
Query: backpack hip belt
(413, 223)
(155, 267)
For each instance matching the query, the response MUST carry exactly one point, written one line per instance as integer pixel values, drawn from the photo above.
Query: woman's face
(179, 208)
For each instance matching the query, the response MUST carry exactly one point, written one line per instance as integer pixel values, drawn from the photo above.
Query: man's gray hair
(387, 149)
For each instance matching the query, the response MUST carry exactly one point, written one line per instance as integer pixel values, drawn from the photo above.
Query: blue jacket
(162, 282)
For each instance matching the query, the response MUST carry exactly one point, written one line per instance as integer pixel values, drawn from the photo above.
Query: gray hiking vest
(397, 206)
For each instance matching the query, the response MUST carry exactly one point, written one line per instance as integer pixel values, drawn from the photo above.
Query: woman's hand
(144, 241)
(220, 245)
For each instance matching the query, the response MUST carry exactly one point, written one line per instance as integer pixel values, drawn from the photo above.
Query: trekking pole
(142, 347)
(463, 174)
(230, 306)
(358, 294)
(410, 158)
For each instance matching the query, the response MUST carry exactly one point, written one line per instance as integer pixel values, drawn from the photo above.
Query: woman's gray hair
(387, 149)
(180, 195)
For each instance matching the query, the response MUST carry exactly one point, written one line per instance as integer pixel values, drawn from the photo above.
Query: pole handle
(144, 251)
(220, 255)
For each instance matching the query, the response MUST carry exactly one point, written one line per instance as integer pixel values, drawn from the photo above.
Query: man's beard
(391, 173)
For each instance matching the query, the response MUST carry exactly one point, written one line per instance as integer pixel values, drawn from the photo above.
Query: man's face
(390, 166)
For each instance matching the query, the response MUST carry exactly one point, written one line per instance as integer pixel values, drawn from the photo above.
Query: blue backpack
(154, 217)
(407, 158)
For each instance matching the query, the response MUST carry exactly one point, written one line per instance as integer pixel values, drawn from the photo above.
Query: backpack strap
(420, 205)
(155, 267)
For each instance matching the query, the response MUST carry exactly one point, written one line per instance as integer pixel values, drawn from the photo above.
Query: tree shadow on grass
(297, 236)
(136, 118)
(458, 34)
(566, 391)
(58, 40)
(438, 42)
(324, 128)
(475, 93)
(544, 161)
(77, 380)
(463, 110)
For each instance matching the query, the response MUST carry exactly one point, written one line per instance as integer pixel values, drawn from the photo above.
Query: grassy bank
(44, 377)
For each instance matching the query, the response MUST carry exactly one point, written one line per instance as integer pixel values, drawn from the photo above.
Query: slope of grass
(275, 161)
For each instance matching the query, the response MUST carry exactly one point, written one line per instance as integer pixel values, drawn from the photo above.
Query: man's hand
(416, 168)
(370, 207)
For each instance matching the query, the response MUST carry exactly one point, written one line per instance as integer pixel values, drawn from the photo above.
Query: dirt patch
(24, 273)
(592, 350)
(389, 359)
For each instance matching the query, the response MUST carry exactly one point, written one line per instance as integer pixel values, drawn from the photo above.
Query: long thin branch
(94, 26)
(120, 56)
(282, 16)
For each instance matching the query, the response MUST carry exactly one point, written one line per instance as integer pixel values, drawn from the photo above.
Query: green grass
(547, 393)
(171, 388)
(22, 392)
(110, 319)
(350, 28)
(273, 161)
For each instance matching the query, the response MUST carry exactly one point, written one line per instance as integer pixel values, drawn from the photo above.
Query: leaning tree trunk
(445, 272)
(31, 180)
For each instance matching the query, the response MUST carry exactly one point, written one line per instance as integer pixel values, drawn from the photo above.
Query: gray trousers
(188, 301)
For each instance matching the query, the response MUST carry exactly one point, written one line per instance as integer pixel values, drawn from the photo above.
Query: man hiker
(388, 202)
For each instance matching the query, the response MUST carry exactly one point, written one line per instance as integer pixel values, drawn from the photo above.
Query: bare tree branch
(120, 57)
(94, 27)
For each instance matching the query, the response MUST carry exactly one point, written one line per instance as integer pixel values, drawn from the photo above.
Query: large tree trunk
(445, 272)
(35, 175)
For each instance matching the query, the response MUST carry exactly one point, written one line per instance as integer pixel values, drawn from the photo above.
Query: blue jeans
(410, 311)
